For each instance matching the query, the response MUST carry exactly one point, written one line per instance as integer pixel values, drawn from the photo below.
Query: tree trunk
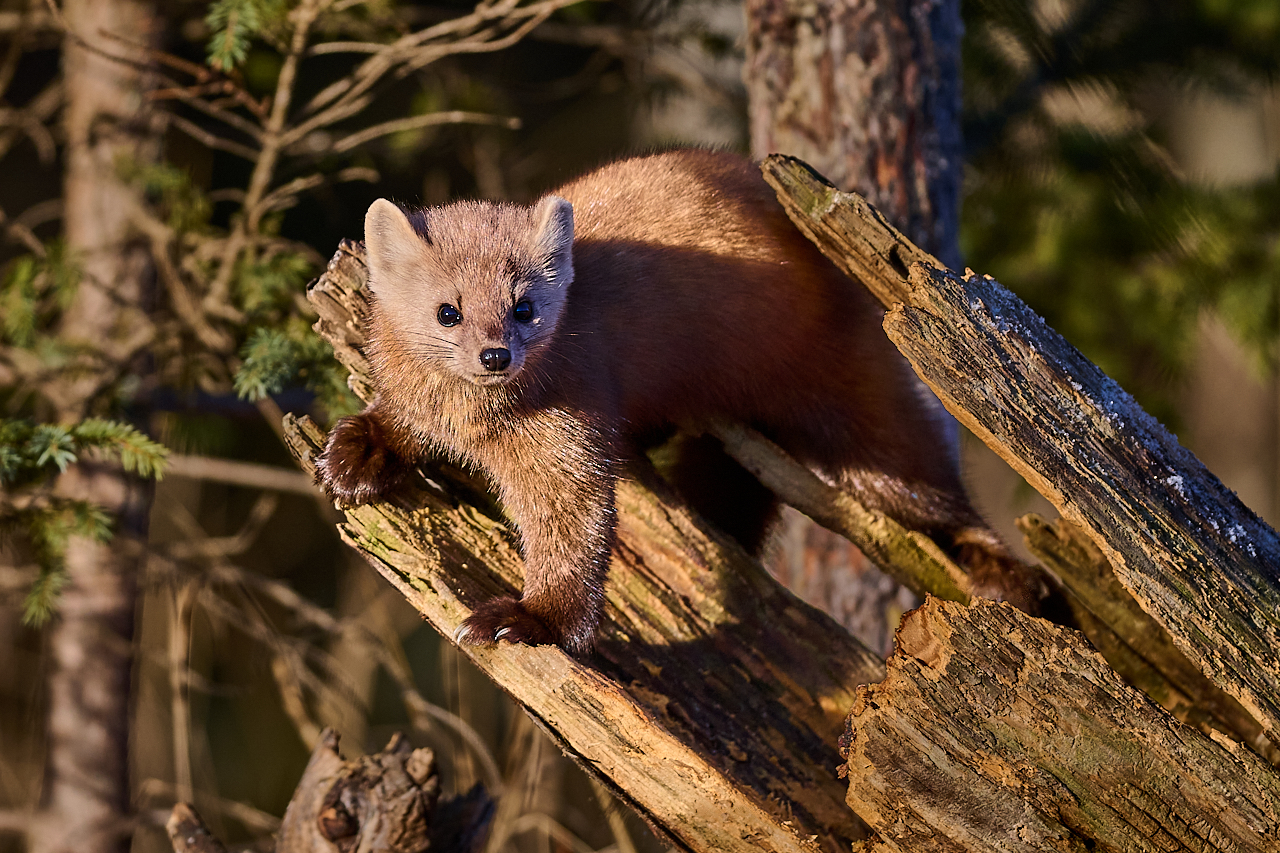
(868, 93)
(86, 797)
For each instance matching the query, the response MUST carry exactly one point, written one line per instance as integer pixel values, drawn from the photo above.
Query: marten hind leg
(915, 481)
(720, 490)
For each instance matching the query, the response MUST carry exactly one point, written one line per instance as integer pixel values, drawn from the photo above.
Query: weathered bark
(86, 796)
(388, 802)
(848, 229)
(714, 699)
(1138, 648)
(1202, 564)
(995, 731)
(1195, 558)
(869, 93)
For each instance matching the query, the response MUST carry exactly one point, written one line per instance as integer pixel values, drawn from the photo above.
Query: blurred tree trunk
(868, 93)
(86, 791)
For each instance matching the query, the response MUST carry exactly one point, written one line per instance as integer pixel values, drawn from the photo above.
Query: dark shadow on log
(715, 698)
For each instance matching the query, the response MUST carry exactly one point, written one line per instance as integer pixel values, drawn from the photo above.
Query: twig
(338, 100)
(183, 301)
(421, 711)
(248, 474)
(200, 546)
(212, 140)
(285, 196)
(40, 213)
(20, 233)
(253, 818)
(552, 828)
(617, 825)
(225, 116)
(31, 119)
(180, 710)
(292, 699)
(207, 79)
(417, 122)
(265, 163)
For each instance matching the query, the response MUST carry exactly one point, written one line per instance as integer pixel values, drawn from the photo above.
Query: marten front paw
(356, 466)
(509, 620)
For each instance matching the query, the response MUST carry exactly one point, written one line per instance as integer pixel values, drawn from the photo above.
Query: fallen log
(996, 731)
(715, 698)
(1202, 564)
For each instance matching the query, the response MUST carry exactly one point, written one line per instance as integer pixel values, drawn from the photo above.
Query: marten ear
(392, 246)
(553, 237)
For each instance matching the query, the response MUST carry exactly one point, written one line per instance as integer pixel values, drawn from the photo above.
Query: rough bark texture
(1138, 648)
(848, 229)
(996, 731)
(387, 802)
(868, 92)
(86, 796)
(713, 702)
(1198, 561)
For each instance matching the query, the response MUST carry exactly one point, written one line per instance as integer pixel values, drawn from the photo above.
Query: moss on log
(1203, 565)
(996, 731)
(715, 698)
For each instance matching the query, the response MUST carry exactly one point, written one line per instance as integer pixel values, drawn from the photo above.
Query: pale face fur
(474, 290)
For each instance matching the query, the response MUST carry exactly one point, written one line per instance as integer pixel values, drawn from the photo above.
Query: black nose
(496, 359)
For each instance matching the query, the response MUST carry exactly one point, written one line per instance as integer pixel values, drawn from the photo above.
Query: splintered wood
(716, 697)
(996, 731)
(1198, 561)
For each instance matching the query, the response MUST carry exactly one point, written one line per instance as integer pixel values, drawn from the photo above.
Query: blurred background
(1120, 174)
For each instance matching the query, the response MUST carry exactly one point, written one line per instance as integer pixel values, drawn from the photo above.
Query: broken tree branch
(715, 696)
(996, 731)
(1196, 559)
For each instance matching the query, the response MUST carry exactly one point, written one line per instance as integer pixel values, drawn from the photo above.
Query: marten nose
(495, 359)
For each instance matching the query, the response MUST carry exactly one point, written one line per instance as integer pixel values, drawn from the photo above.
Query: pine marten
(547, 344)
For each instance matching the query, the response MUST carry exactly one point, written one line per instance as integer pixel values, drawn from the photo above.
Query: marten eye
(449, 316)
(523, 312)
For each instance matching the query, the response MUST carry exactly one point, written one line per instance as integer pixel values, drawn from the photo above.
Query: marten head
(473, 288)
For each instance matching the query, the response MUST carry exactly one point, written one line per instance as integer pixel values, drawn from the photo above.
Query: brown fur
(674, 291)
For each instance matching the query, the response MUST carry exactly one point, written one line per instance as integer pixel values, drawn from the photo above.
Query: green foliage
(29, 455)
(270, 284)
(1086, 216)
(275, 356)
(34, 290)
(182, 204)
(48, 526)
(29, 452)
(234, 23)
